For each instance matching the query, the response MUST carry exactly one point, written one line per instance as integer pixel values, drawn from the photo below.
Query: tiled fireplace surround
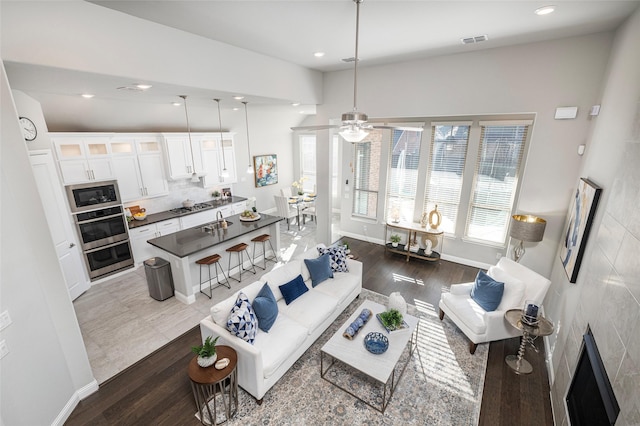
(608, 298)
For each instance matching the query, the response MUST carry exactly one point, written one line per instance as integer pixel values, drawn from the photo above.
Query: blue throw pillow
(487, 292)
(293, 289)
(319, 269)
(266, 308)
(338, 257)
(242, 320)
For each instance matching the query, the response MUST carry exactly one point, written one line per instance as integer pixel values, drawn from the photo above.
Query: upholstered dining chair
(480, 326)
(284, 210)
(286, 192)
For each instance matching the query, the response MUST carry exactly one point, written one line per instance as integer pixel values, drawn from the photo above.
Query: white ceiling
(390, 31)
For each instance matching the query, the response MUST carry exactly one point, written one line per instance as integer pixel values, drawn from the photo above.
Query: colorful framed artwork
(266, 169)
(577, 226)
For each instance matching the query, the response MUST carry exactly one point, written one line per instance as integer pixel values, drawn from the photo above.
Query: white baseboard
(362, 237)
(187, 300)
(78, 395)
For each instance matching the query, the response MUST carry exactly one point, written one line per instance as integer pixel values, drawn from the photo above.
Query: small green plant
(391, 319)
(345, 245)
(206, 350)
(215, 194)
(395, 238)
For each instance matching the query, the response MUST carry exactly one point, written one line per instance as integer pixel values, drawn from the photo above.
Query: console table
(416, 240)
(543, 328)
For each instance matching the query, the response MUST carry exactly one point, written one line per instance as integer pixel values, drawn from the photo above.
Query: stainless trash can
(159, 278)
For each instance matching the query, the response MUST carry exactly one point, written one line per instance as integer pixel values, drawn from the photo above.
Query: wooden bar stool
(264, 238)
(240, 249)
(208, 261)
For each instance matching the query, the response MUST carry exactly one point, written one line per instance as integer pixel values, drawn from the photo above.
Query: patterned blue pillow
(338, 257)
(242, 320)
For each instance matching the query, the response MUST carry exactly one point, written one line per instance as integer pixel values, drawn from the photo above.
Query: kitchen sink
(214, 226)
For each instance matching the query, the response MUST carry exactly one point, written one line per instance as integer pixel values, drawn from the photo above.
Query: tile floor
(121, 323)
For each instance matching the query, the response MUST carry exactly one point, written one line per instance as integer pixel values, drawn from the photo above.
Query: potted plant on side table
(206, 352)
(395, 239)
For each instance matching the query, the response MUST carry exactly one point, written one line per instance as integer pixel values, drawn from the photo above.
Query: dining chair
(284, 210)
(286, 192)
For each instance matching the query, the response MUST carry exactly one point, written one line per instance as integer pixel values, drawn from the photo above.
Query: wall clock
(29, 130)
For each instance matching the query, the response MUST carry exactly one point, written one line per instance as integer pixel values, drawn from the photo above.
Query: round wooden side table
(543, 328)
(220, 387)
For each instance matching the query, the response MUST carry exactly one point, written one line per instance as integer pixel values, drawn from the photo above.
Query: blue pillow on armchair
(487, 292)
(319, 269)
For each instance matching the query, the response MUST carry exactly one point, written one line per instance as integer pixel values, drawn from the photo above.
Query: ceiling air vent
(473, 40)
(351, 59)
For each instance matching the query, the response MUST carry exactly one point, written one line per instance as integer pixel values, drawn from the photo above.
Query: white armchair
(480, 326)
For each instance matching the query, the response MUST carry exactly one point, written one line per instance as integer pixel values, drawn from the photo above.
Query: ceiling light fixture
(176, 103)
(246, 118)
(144, 86)
(318, 54)
(87, 95)
(194, 175)
(225, 172)
(354, 124)
(238, 98)
(545, 10)
(295, 104)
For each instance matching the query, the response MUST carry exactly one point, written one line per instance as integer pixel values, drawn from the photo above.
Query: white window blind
(366, 175)
(495, 179)
(448, 152)
(402, 181)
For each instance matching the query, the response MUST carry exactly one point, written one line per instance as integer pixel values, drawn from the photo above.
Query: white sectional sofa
(297, 326)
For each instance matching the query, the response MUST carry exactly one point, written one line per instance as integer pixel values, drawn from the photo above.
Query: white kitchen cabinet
(239, 207)
(183, 155)
(83, 159)
(138, 237)
(197, 219)
(139, 168)
(213, 162)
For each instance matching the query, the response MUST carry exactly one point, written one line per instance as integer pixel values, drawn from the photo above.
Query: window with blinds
(366, 175)
(495, 179)
(448, 153)
(402, 179)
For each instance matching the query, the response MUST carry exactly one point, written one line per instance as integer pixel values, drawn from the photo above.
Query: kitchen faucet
(219, 216)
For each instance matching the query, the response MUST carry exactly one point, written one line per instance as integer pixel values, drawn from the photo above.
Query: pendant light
(194, 175)
(225, 172)
(246, 118)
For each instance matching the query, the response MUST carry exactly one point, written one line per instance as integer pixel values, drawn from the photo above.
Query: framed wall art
(582, 209)
(266, 169)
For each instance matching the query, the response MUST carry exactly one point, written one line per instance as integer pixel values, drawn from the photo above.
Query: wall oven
(102, 227)
(94, 195)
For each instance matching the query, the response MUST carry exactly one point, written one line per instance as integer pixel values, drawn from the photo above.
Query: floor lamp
(525, 228)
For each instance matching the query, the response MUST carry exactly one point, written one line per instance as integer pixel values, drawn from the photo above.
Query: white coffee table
(379, 367)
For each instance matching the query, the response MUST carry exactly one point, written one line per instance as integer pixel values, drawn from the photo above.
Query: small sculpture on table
(355, 326)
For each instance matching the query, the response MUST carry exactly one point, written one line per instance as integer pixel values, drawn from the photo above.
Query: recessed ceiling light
(318, 54)
(87, 95)
(176, 103)
(545, 10)
(238, 98)
(144, 86)
(236, 108)
(295, 104)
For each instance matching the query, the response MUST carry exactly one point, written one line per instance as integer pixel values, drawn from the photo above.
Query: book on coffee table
(403, 327)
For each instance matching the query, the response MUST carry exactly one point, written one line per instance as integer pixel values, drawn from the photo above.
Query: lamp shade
(527, 228)
(353, 134)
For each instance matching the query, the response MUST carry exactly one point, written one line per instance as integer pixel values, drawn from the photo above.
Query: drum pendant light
(194, 175)
(246, 118)
(225, 172)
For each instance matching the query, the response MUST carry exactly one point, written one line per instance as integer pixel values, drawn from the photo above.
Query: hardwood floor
(156, 389)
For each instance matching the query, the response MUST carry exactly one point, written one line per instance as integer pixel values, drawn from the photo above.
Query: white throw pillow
(513, 289)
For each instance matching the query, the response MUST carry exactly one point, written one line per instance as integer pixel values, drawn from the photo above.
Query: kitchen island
(183, 248)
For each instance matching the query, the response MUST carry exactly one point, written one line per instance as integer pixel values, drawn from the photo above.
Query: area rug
(442, 385)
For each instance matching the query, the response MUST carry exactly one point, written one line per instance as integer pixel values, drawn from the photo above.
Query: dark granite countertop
(189, 241)
(166, 215)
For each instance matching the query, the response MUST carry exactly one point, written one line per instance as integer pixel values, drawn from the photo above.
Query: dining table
(301, 202)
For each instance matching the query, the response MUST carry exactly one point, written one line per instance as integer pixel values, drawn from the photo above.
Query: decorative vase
(397, 302)
(207, 361)
(435, 218)
(394, 244)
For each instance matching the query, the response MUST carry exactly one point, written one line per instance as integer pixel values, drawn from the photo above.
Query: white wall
(47, 364)
(606, 295)
(534, 78)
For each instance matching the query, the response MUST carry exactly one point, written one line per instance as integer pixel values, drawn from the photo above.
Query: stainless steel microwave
(93, 195)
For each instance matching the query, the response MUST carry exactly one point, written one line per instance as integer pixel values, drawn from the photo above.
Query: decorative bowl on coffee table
(376, 342)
